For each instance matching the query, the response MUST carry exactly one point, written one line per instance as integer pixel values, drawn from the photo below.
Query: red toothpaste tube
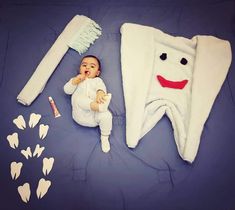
(54, 107)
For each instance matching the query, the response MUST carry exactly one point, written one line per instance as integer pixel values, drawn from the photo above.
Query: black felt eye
(183, 61)
(163, 56)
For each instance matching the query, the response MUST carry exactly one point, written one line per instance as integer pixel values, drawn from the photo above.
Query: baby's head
(90, 66)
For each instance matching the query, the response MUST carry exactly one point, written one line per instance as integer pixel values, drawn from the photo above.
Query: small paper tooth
(34, 119)
(24, 192)
(43, 186)
(16, 169)
(13, 140)
(43, 129)
(27, 153)
(20, 122)
(47, 165)
(38, 150)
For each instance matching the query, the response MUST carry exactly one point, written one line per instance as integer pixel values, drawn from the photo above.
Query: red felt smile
(171, 84)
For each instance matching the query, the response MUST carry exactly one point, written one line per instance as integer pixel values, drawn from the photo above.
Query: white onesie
(82, 95)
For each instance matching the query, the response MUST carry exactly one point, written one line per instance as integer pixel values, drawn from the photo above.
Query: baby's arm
(101, 91)
(79, 78)
(69, 88)
(102, 100)
(71, 85)
(100, 96)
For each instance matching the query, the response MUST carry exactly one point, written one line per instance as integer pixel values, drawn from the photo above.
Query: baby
(90, 100)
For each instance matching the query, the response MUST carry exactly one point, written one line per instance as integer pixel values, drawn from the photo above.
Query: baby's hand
(79, 78)
(100, 97)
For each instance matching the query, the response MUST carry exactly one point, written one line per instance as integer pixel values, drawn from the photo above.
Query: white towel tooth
(47, 165)
(43, 129)
(43, 186)
(24, 192)
(38, 150)
(27, 153)
(34, 119)
(13, 140)
(16, 169)
(20, 122)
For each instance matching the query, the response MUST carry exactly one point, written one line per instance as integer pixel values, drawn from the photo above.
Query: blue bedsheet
(150, 177)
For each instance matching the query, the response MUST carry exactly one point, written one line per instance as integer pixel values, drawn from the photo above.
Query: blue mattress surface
(150, 177)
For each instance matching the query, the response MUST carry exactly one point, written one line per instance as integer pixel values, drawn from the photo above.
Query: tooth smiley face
(172, 66)
(170, 90)
(173, 76)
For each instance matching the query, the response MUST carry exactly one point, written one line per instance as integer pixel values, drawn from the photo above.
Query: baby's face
(90, 67)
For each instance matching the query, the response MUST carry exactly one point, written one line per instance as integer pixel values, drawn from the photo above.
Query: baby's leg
(84, 102)
(84, 117)
(104, 119)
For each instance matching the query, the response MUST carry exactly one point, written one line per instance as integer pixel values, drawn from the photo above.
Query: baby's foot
(105, 145)
(104, 107)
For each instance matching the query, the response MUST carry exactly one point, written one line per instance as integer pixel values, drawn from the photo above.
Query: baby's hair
(92, 56)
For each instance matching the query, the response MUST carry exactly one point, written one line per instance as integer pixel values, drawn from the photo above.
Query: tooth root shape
(27, 153)
(38, 150)
(47, 165)
(16, 169)
(43, 186)
(20, 122)
(24, 192)
(13, 140)
(43, 129)
(34, 119)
